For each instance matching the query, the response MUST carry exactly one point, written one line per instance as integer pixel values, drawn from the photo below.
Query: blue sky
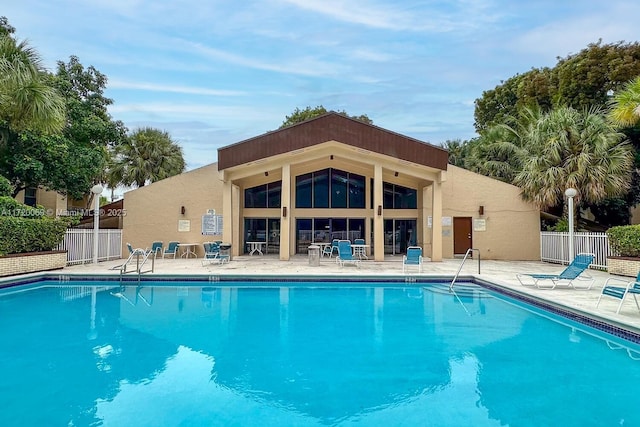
(213, 73)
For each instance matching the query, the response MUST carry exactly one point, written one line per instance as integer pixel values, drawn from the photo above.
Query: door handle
(469, 236)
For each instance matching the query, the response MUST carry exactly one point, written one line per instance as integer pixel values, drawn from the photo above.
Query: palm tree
(27, 102)
(147, 156)
(568, 148)
(500, 149)
(625, 105)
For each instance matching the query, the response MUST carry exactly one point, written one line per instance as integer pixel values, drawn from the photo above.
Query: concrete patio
(502, 273)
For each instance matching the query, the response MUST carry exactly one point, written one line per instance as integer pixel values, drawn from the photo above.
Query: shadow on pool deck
(502, 273)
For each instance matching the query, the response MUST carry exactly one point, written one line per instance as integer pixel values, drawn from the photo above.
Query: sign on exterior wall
(479, 224)
(211, 224)
(184, 225)
(445, 221)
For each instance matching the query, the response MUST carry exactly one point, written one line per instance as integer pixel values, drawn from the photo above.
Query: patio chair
(345, 254)
(621, 290)
(212, 254)
(156, 248)
(172, 249)
(136, 251)
(573, 276)
(413, 257)
(329, 250)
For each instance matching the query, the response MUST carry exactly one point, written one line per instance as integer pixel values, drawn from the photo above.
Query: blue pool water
(304, 355)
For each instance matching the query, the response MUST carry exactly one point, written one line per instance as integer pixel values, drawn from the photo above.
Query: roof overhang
(327, 128)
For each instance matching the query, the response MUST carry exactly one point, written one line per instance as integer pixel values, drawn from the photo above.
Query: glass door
(399, 234)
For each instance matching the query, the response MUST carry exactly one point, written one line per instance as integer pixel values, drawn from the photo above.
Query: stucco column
(227, 214)
(378, 220)
(285, 213)
(436, 227)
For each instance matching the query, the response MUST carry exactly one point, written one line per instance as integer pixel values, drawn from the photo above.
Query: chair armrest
(617, 280)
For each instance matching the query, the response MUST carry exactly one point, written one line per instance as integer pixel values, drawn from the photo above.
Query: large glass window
(304, 190)
(262, 230)
(330, 188)
(339, 182)
(263, 196)
(314, 230)
(321, 189)
(399, 197)
(274, 194)
(356, 191)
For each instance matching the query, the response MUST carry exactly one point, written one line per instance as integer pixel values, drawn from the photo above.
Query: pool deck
(502, 273)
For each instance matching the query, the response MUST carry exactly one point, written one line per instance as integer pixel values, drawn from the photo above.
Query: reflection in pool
(260, 354)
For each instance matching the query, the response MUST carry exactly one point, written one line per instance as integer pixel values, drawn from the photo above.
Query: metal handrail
(145, 256)
(466, 255)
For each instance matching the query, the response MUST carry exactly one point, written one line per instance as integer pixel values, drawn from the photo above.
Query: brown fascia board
(332, 127)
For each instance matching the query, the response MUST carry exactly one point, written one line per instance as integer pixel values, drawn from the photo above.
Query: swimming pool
(303, 353)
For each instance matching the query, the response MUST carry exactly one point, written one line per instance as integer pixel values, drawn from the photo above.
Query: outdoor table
(188, 249)
(256, 247)
(360, 251)
(322, 245)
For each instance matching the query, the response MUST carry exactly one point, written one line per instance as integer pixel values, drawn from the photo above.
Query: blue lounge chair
(156, 248)
(329, 250)
(136, 251)
(172, 249)
(413, 257)
(570, 276)
(621, 290)
(345, 254)
(212, 254)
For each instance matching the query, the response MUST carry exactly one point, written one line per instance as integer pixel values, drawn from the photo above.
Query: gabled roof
(332, 127)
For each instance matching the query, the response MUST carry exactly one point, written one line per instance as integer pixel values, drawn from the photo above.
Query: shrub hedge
(26, 229)
(624, 240)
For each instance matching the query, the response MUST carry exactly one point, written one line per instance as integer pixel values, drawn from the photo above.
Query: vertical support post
(97, 191)
(378, 218)
(286, 211)
(570, 193)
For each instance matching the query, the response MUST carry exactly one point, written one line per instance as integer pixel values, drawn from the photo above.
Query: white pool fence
(554, 247)
(78, 243)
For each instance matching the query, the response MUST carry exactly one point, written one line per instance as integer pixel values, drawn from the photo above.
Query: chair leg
(621, 302)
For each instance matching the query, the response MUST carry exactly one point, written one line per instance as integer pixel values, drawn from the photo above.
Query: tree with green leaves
(299, 116)
(27, 100)
(148, 155)
(73, 160)
(581, 80)
(570, 148)
(625, 105)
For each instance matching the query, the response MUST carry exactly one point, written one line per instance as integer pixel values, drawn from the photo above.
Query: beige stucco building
(335, 177)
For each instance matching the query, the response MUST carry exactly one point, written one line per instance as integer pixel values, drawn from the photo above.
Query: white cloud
(120, 84)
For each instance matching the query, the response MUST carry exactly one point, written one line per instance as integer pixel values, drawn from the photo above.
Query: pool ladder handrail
(466, 255)
(145, 257)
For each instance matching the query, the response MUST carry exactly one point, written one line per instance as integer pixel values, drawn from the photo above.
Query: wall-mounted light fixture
(396, 174)
(481, 210)
(284, 211)
(266, 173)
(182, 210)
(379, 210)
(331, 157)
